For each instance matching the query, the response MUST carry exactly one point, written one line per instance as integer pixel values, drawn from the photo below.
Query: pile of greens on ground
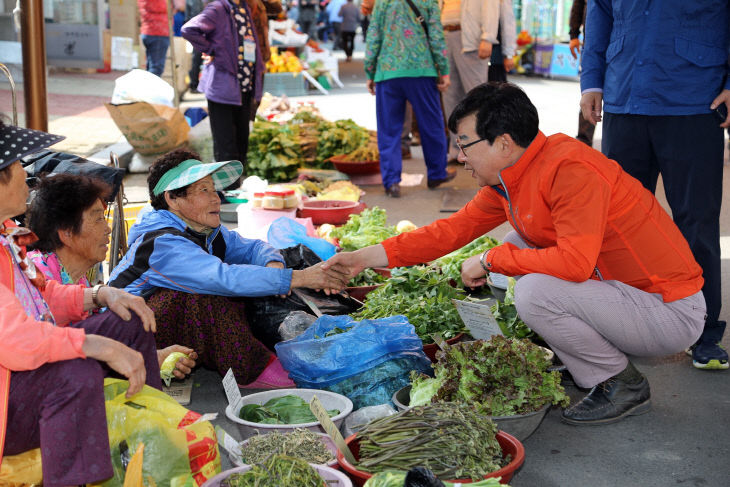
(277, 471)
(368, 277)
(450, 264)
(300, 443)
(505, 313)
(501, 377)
(366, 228)
(451, 439)
(423, 295)
(287, 409)
(276, 151)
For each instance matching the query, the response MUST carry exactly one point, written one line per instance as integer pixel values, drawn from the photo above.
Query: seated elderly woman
(188, 267)
(51, 370)
(67, 216)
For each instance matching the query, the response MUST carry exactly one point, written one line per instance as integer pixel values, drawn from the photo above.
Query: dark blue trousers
(688, 152)
(156, 50)
(390, 103)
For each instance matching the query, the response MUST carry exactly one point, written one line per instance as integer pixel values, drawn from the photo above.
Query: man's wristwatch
(483, 261)
(95, 295)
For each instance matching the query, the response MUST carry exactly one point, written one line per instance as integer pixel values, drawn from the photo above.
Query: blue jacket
(214, 32)
(180, 264)
(654, 57)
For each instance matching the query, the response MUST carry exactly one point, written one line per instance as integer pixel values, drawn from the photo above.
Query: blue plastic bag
(285, 232)
(367, 363)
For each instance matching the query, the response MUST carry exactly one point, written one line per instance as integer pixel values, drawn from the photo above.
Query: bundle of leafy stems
(277, 471)
(451, 439)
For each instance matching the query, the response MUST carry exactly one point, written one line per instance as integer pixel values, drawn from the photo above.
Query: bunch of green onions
(450, 439)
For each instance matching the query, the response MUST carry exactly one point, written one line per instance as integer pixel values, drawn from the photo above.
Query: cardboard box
(124, 19)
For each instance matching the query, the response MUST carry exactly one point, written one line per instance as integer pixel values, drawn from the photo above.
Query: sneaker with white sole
(709, 356)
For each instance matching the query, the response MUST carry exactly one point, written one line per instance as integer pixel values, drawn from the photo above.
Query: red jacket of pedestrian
(153, 17)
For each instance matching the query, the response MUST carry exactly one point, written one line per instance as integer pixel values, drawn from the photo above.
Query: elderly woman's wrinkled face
(201, 205)
(14, 192)
(93, 237)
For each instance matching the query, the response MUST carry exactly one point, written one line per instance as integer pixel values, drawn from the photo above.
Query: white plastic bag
(140, 85)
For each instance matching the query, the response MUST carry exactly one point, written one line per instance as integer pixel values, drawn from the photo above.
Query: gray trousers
(466, 72)
(592, 325)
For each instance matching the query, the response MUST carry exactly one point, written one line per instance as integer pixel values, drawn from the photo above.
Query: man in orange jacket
(603, 270)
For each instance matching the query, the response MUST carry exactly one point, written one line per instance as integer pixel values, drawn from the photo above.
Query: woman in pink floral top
(67, 214)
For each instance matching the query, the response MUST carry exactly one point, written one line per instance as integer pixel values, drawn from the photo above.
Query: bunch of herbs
(451, 439)
(421, 294)
(450, 264)
(277, 471)
(300, 443)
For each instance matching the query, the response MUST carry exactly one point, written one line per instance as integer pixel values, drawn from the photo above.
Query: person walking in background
(661, 81)
(335, 20)
(405, 61)
(307, 16)
(350, 14)
(503, 52)
(234, 34)
(193, 8)
(155, 33)
(470, 29)
(578, 20)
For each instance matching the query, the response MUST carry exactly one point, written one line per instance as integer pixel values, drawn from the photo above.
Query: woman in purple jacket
(233, 79)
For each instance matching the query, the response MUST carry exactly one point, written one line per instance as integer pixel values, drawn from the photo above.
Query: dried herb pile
(300, 443)
(451, 439)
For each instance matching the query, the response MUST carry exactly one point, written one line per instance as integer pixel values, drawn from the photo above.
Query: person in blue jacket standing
(658, 71)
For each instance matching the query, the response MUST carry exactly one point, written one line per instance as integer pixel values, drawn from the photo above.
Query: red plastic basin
(431, 348)
(510, 446)
(335, 212)
(357, 167)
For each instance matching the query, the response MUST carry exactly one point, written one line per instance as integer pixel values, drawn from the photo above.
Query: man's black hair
(501, 108)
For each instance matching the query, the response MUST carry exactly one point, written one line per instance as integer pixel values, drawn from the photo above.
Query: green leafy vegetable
(367, 228)
(505, 313)
(368, 277)
(423, 295)
(289, 409)
(501, 377)
(450, 264)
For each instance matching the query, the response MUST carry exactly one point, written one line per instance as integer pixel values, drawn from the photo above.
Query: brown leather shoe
(405, 152)
(435, 183)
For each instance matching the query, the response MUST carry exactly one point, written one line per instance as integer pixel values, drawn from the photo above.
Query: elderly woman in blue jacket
(191, 269)
(234, 36)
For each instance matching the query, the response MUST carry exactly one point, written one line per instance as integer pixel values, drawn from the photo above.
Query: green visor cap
(187, 172)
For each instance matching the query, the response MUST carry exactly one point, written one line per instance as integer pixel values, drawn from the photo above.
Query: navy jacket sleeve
(599, 24)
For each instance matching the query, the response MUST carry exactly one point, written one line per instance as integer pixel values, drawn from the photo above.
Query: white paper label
(227, 441)
(233, 393)
(478, 318)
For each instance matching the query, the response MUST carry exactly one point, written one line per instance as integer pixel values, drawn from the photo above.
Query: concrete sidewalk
(682, 441)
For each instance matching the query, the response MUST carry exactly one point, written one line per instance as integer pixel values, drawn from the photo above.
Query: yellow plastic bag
(178, 452)
(22, 470)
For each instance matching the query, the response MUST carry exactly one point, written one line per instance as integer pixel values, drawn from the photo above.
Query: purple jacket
(213, 32)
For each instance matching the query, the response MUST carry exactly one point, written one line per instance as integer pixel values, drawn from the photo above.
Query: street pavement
(682, 441)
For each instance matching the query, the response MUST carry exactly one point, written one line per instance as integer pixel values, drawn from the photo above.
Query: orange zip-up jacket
(584, 216)
(26, 344)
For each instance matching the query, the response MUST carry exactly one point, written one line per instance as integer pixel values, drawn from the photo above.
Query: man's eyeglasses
(463, 147)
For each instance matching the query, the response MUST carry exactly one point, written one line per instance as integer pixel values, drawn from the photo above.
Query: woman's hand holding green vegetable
(176, 360)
